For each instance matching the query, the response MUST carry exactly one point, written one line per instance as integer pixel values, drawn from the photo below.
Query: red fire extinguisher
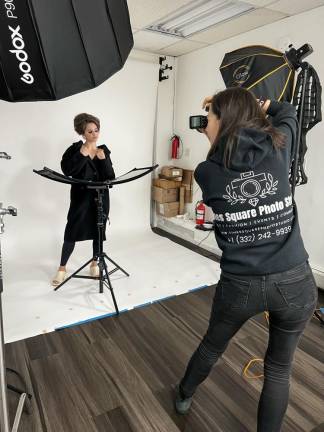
(200, 213)
(175, 147)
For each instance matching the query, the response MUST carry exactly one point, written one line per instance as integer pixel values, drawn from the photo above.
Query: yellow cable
(255, 359)
(248, 365)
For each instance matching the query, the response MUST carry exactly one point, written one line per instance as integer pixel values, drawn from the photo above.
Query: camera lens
(250, 188)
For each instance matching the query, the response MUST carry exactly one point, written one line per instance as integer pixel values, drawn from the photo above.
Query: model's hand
(84, 150)
(101, 154)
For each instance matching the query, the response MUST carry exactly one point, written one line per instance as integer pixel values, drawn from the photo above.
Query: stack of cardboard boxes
(172, 190)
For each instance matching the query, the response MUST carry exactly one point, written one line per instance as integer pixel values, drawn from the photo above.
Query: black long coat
(82, 216)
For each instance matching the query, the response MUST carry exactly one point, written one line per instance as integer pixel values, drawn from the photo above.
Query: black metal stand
(319, 316)
(104, 274)
(24, 397)
(304, 66)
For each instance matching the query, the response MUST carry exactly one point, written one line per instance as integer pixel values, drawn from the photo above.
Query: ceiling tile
(295, 7)
(146, 12)
(182, 47)
(152, 42)
(242, 24)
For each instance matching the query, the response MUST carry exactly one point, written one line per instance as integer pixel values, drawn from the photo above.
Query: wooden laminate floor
(118, 374)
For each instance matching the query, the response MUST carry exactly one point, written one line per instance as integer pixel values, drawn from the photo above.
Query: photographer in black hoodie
(264, 265)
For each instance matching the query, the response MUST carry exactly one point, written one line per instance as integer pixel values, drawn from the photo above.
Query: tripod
(104, 274)
(24, 396)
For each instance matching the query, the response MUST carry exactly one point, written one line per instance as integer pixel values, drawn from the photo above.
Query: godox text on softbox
(51, 49)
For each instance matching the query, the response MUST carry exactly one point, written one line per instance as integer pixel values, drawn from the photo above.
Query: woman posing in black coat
(264, 264)
(86, 161)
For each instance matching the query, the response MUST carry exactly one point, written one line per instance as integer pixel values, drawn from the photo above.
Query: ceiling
(145, 12)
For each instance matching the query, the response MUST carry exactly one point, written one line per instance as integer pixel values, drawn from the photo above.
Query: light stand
(296, 57)
(24, 396)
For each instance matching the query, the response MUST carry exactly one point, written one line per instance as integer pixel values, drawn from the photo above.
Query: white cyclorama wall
(37, 134)
(198, 76)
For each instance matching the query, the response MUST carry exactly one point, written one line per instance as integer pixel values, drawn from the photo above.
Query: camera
(198, 122)
(249, 184)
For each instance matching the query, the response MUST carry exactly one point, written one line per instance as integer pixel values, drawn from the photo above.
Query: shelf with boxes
(172, 190)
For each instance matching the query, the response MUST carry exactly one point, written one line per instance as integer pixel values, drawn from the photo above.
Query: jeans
(290, 298)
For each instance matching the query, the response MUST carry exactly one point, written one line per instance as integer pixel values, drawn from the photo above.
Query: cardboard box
(171, 172)
(181, 200)
(187, 177)
(168, 209)
(188, 196)
(165, 195)
(166, 184)
(187, 182)
(176, 179)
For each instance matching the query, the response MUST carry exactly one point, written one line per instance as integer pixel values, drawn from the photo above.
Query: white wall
(198, 75)
(37, 134)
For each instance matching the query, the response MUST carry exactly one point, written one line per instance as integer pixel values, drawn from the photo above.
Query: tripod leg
(116, 265)
(320, 319)
(110, 286)
(70, 277)
(19, 412)
(27, 397)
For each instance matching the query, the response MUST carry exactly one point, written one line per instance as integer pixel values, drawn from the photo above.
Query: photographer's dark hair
(238, 108)
(81, 121)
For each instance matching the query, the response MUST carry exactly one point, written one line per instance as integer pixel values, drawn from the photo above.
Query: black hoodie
(256, 220)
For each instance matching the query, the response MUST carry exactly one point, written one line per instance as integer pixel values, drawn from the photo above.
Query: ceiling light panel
(200, 15)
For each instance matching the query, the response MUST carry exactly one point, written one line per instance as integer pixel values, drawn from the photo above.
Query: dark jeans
(290, 298)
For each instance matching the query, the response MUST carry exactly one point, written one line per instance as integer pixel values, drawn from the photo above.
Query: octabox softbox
(264, 71)
(51, 49)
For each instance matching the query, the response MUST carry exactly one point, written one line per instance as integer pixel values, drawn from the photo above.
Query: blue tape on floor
(163, 298)
(199, 288)
(90, 320)
(126, 310)
(142, 305)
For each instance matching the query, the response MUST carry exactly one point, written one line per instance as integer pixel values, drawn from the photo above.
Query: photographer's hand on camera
(207, 102)
(264, 104)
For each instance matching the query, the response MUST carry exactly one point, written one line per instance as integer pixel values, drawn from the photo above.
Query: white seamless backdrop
(37, 134)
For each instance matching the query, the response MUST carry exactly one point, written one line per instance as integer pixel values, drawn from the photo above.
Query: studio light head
(295, 57)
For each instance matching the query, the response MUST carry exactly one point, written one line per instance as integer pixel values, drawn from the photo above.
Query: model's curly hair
(81, 121)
